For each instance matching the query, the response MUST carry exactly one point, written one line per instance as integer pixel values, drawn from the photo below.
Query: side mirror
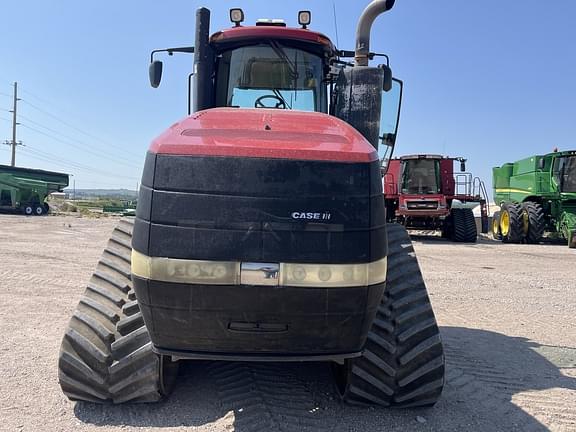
(462, 166)
(389, 118)
(387, 86)
(155, 73)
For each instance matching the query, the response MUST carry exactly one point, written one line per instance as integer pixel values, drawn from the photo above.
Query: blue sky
(490, 81)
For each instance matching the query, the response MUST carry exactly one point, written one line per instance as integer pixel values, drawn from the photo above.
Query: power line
(76, 164)
(335, 24)
(55, 117)
(36, 97)
(38, 154)
(78, 147)
(73, 143)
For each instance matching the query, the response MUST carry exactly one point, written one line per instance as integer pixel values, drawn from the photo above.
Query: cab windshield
(565, 173)
(270, 75)
(420, 176)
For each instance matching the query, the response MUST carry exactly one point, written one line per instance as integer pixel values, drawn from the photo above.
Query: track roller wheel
(533, 214)
(496, 226)
(464, 228)
(106, 354)
(512, 224)
(403, 360)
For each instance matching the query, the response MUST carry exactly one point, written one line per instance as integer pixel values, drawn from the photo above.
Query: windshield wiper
(283, 56)
(279, 96)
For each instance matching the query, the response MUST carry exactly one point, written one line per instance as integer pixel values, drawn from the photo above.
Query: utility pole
(14, 124)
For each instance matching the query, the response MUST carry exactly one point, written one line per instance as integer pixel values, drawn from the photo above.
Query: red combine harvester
(421, 192)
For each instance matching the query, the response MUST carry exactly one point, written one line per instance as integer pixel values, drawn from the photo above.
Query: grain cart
(25, 190)
(536, 194)
(260, 232)
(422, 192)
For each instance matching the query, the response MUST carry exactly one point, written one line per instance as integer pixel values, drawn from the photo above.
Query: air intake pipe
(358, 90)
(203, 63)
(365, 22)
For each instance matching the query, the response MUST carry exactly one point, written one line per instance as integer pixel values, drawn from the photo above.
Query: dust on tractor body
(261, 231)
(423, 192)
(537, 195)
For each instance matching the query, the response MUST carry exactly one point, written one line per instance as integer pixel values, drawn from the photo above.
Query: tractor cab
(268, 66)
(271, 66)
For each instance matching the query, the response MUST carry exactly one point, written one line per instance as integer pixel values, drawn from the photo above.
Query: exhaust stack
(371, 12)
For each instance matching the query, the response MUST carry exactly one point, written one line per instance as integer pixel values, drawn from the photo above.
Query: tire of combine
(106, 355)
(496, 234)
(28, 210)
(511, 223)
(536, 222)
(464, 227)
(447, 227)
(402, 364)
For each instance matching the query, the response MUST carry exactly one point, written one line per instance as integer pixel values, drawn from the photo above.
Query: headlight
(333, 275)
(185, 271)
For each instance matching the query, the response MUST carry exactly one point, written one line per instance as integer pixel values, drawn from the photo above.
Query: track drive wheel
(465, 230)
(534, 215)
(403, 360)
(512, 225)
(106, 354)
(496, 226)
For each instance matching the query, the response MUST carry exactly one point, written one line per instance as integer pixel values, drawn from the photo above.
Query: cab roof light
(236, 16)
(304, 18)
(273, 22)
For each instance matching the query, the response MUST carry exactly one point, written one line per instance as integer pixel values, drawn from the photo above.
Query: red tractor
(260, 232)
(422, 192)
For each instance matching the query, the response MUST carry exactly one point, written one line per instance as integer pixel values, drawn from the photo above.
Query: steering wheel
(280, 104)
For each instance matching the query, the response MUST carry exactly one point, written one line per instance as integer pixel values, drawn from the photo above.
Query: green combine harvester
(536, 195)
(25, 190)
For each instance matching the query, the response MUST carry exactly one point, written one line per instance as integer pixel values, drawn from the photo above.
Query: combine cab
(260, 232)
(422, 192)
(536, 195)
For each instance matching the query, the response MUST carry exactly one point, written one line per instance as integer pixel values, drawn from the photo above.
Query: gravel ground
(507, 316)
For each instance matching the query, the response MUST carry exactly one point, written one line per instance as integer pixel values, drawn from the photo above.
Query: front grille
(422, 205)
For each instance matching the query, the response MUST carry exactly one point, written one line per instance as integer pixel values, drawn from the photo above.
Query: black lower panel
(257, 320)
(260, 245)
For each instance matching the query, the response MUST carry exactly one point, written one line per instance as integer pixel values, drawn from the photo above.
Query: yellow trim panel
(230, 272)
(509, 190)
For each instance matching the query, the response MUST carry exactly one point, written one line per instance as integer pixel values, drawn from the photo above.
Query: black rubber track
(536, 221)
(464, 224)
(403, 360)
(516, 233)
(106, 353)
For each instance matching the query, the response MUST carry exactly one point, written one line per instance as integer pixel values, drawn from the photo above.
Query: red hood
(265, 133)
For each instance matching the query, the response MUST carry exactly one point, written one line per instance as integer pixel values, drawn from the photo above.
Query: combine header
(536, 195)
(260, 232)
(423, 192)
